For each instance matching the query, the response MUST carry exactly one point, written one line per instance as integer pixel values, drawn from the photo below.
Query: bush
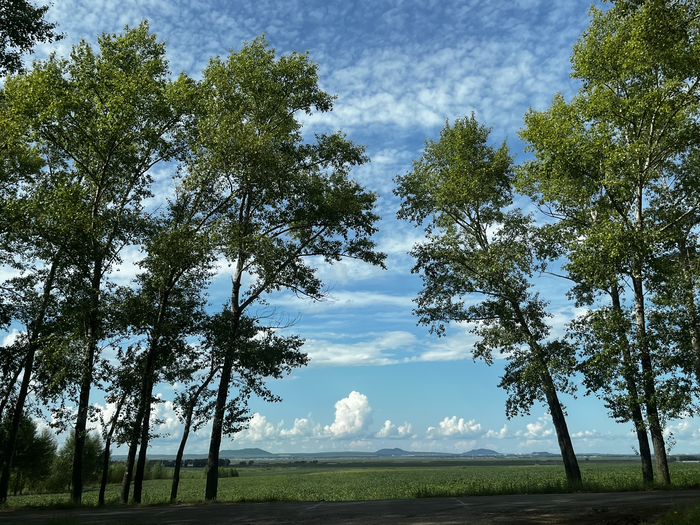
(228, 472)
(160, 472)
(115, 474)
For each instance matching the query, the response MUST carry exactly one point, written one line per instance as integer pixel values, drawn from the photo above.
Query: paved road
(578, 509)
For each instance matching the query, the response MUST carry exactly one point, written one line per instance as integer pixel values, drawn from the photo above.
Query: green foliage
(22, 26)
(60, 478)
(459, 191)
(34, 454)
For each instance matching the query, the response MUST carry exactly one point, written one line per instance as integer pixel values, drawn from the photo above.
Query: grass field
(393, 479)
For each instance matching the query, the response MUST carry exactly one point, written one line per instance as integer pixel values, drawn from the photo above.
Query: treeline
(239, 193)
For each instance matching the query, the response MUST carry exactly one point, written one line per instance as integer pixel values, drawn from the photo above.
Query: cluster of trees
(38, 464)
(80, 140)
(615, 172)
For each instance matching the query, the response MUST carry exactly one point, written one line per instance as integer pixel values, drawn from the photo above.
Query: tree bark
(648, 377)
(216, 432)
(130, 460)
(571, 468)
(143, 449)
(630, 375)
(108, 443)
(86, 383)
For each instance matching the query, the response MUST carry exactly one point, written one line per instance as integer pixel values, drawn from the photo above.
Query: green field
(389, 479)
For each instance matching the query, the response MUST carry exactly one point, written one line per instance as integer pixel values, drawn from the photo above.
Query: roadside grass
(340, 483)
(685, 516)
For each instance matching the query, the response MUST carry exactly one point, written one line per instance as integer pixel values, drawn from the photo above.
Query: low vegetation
(347, 481)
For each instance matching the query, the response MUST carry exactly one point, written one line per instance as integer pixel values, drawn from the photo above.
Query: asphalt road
(575, 509)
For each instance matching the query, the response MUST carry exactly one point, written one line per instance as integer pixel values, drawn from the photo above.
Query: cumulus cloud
(539, 429)
(500, 434)
(391, 431)
(453, 428)
(352, 416)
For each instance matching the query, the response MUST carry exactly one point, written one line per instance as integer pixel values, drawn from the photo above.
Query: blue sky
(400, 69)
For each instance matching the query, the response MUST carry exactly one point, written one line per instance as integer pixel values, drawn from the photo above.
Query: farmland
(345, 480)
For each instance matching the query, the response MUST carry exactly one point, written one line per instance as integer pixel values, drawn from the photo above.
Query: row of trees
(80, 140)
(614, 170)
(615, 173)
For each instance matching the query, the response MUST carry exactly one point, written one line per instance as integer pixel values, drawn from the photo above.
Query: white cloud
(10, 338)
(389, 430)
(500, 434)
(539, 429)
(453, 428)
(352, 416)
(379, 350)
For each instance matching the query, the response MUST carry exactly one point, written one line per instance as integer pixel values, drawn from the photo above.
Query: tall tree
(287, 200)
(459, 191)
(100, 121)
(603, 160)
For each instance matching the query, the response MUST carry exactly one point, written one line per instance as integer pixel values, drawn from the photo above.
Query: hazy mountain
(481, 452)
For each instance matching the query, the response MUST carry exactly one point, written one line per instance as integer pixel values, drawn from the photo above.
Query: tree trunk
(648, 381)
(216, 431)
(9, 451)
(629, 373)
(145, 429)
(573, 473)
(34, 337)
(108, 443)
(181, 452)
(86, 382)
(130, 461)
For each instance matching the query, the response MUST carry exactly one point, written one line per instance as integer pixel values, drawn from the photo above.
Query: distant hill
(391, 452)
(482, 452)
(246, 453)
(543, 454)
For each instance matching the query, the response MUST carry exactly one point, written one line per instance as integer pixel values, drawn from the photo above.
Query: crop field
(388, 480)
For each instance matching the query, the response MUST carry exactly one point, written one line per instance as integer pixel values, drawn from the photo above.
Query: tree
(34, 454)
(605, 163)
(459, 191)
(91, 465)
(168, 308)
(286, 200)
(100, 123)
(22, 26)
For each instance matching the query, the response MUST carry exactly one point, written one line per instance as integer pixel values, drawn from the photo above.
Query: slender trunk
(181, 452)
(689, 300)
(185, 434)
(648, 377)
(105, 471)
(145, 428)
(16, 420)
(34, 337)
(573, 473)
(571, 468)
(86, 382)
(108, 443)
(130, 460)
(216, 431)
(629, 373)
(222, 394)
(11, 383)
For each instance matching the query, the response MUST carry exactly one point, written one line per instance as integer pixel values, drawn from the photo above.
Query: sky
(400, 69)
